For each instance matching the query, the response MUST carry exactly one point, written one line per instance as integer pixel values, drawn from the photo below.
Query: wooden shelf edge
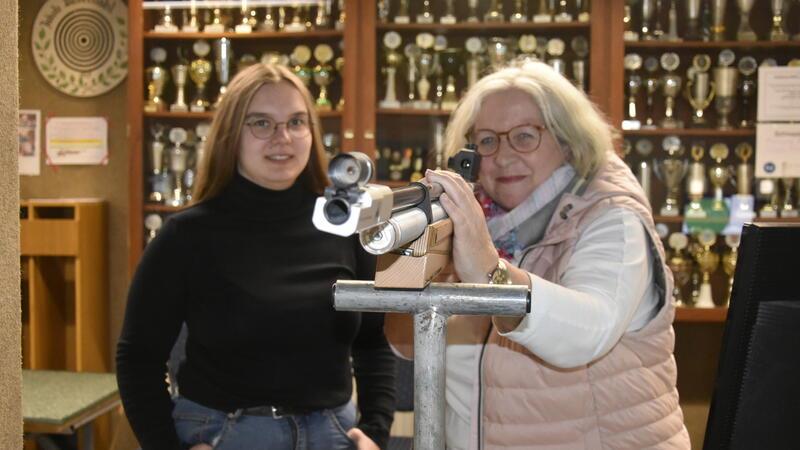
(701, 315)
(483, 26)
(679, 219)
(413, 112)
(254, 35)
(154, 208)
(210, 114)
(711, 132)
(711, 45)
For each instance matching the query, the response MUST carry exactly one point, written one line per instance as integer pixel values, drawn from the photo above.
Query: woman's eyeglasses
(265, 128)
(522, 139)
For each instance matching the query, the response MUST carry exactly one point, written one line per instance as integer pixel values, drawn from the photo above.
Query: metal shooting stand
(402, 285)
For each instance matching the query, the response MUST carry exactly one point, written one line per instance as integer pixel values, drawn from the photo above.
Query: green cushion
(52, 396)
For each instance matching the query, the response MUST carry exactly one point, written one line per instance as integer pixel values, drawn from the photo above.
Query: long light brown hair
(222, 147)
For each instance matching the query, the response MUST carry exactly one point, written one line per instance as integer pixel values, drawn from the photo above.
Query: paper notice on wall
(77, 141)
(778, 94)
(778, 150)
(30, 146)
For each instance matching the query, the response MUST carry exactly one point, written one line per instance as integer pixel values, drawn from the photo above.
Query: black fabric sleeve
(153, 319)
(374, 368)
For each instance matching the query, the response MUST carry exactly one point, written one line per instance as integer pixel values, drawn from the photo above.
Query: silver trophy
(555, 49)
(651, 84)
(580, 46)
(745, 31)
(475, 48)
(498, 52)
(671, 171)
(178, 157)
(747, 91)
(412, 53)
(425, 42)
(725, 79)
(544, 13)
(644, 173)
(718, 20)
(562, 14)
(718, 173)
(693, 31)
(391, 42)
(426, 16)
(632, 63)
(788, 209)
(696, 183)
(180, 73)
(152, 223)
(672, 33)
(156, 154)
(495, 13)
(648, 11)
(223, 54)
(778, 31)
(449, 17)
(671, 87)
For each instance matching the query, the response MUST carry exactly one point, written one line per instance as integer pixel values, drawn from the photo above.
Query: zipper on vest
(480, 385)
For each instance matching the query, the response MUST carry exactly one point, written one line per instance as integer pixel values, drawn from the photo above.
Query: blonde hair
(576, 123)
(222, 148)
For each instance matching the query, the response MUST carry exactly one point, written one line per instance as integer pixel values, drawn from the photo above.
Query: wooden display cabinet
(64, 285)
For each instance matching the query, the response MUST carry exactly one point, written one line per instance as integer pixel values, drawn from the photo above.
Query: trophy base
(448, 20)
(214, 28)
(473, 19)
(402, 19)
(542, 18)
(789, 213)
(294, 28)
(423, 104)
(266, 26)
(584, 17)
(389, 104)
(778, 36)
(155, 197)
(518, 18)
(198, 108)
(494, 17)
(649, 126)
(324, 106)
(243, 29)
(166, 29)
(178, 108)
(705, 299)
(154, 107)
(190, 29)
(695, 212)
(425, 18)
(672, 124)
(699, 122)
(768, 213)
(630, 36)
(449, 105)
(670, 211)
(563, 17)
(749, 36)
(631, 124)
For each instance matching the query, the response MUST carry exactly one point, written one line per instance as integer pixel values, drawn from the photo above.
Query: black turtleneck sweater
(251, 277)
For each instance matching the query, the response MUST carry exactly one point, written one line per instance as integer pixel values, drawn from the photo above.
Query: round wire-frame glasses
(265, 128)
(524, 138)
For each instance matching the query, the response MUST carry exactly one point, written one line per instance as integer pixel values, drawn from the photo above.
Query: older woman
(268, 360)
(591, 366)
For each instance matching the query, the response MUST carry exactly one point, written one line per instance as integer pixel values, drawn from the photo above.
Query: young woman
(268, 360)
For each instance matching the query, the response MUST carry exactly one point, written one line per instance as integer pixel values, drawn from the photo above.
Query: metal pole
(431, 308)
(430, 329)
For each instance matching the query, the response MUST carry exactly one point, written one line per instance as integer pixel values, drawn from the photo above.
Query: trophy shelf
(679, 219)
(158, 208)
(318, 34)
(709, 132)
(413, 112)
(687, 314)
(631, 45)
(484, 27)
(210, 114)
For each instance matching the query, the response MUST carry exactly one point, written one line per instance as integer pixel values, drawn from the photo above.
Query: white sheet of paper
(30, 142)
(778, 150)
(778, 94)
(77, 141)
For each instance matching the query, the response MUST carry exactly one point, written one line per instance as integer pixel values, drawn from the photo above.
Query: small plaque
(392, 40)
(644, 147)
(323, 53)
(670, 61)
(301, 54)
(201, 48)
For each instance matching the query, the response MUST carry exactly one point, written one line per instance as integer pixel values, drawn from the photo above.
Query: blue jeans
(320, 430)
